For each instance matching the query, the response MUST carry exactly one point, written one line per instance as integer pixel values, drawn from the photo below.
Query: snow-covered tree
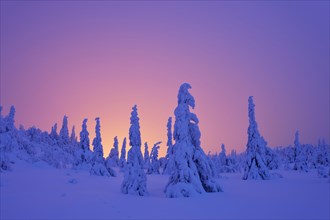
(222, 159)
(73, 137)
(169, 165)
(122, 160)
(98, 167)
(192, 174)
(34, 134)
(287, 156)
(212, 164)
(31, 145)
(135, 180)
(255, 167)
(84, 155)
(97, 145)
(9, 120)
(154, 162)
(233, 163)
(272, 159)
(53, 133)
(300, 156)
(322, 153)
(64, 132)
(113, 158)
(73, 141)
(146, 158)
(84, 137)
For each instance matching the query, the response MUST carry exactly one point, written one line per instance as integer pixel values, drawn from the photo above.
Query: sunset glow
(98, 59)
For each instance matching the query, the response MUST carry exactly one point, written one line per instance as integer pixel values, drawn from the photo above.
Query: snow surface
(39, 191)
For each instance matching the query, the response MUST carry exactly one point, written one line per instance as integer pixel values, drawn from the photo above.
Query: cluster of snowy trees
(259, 159)
(190, 170)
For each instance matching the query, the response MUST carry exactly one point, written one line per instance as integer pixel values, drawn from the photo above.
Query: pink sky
(89, 59)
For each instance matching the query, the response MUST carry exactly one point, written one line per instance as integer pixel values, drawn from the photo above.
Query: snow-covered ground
(38, 191)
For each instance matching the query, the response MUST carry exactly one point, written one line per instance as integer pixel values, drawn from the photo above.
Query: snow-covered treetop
(84, 136)
(98, 129)
(10, 119)
(253, 127)
(157, 144)
(134, 130)
(223, 149)
(183, 116)
(169, 133)
(64, 132)
(73, 137)
(123, 150)
(53, 133)
(184, 96)
(253, 133)
(84, 124)
(154, 153)
(97, 146)
(115, 143)
(146, 152)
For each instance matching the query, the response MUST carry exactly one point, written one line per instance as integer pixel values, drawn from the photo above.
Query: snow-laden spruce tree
(300, 162)
(9, 120)
(192, 174)
(53, 134)
(122, 160)
(201, 160)
(84, 155)
(113, 158)
(222, 160)
(64, 132)
(73, 137)
(255, 167)
(169, 164)
(146, 158)
(272, 159)
(233, 163)
(73, 141)
(212, 164)
(135, 180)
(154, 162)
(222, 154)
(98, 165)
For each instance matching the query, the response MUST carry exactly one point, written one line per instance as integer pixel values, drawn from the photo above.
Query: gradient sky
(88, 59)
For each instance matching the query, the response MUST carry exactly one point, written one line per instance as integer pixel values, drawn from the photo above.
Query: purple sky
(88, 59)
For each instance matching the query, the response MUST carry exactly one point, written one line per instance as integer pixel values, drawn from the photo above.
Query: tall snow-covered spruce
(113, 158)
(53, 133)
(146, 158)
(154, 162)
(255, 166)
(135, 180)
(9, 120)
(169, 166)
(84, 154)
(122, 160)
(73, 137)
(98, 167)
(64, 132)
(192, 174)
